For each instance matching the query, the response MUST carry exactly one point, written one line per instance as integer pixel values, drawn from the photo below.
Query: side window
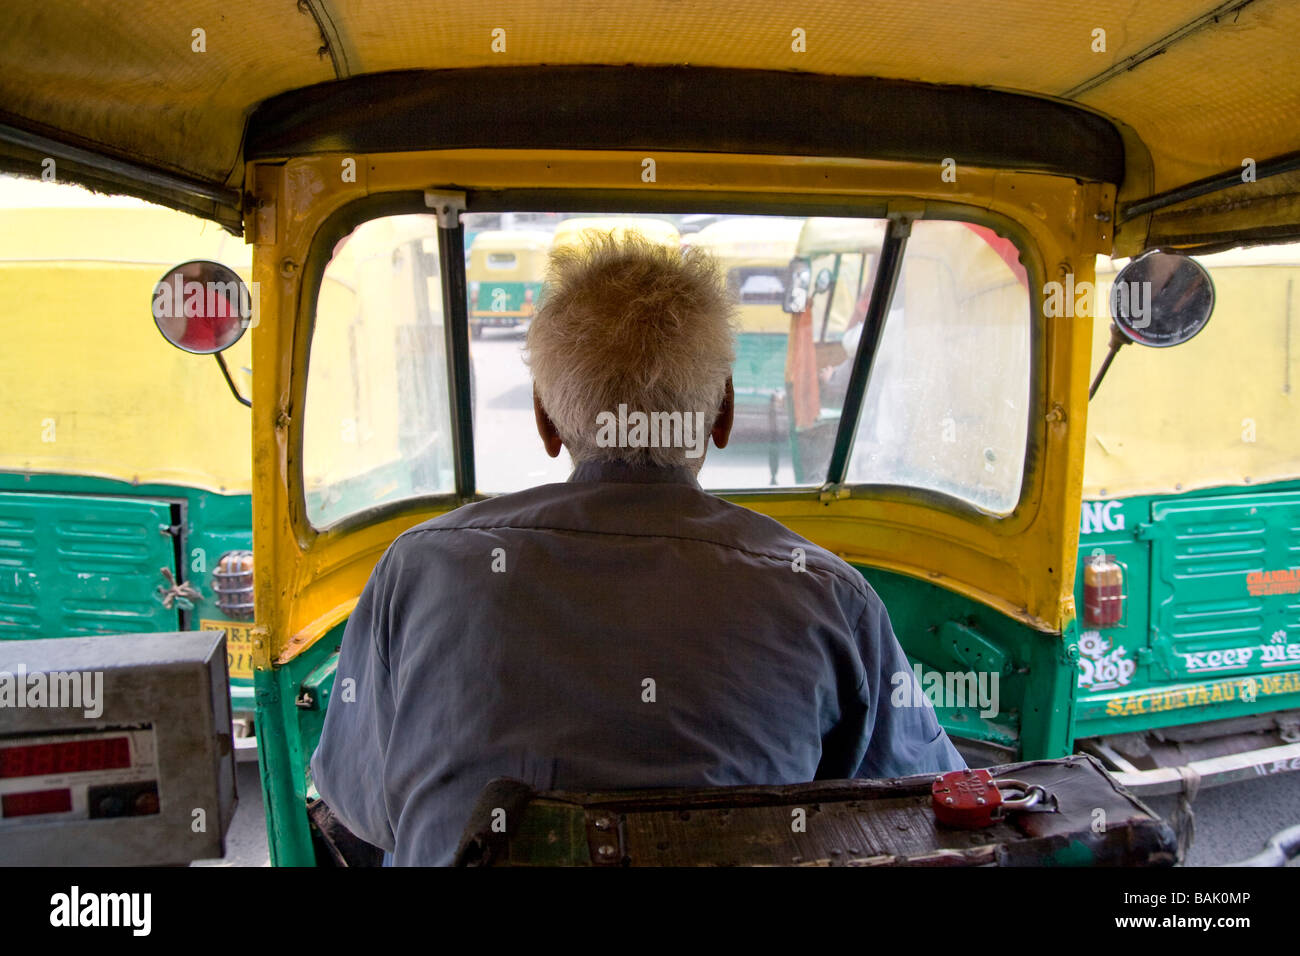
(377, 424)
(1218, 410)
(947, 404)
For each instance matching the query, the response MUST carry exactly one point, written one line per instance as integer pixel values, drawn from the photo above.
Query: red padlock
(972, 799)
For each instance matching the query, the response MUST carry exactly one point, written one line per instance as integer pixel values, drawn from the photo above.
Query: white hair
(634, 323)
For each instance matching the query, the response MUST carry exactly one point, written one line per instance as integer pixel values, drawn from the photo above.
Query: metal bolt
(981, 801)
(288, 268)
(602, 823)
(606, 851)
(949, 801)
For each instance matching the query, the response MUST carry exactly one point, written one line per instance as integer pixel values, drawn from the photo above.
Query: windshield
(946, 410)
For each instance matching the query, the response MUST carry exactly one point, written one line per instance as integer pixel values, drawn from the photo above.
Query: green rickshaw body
(116, 517)
(754, 255)
(505, 275)
(1192, 493)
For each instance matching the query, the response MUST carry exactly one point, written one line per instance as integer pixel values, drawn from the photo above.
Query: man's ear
(726, 417)
(546, 428)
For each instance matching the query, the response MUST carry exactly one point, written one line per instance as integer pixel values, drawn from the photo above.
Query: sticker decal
(1201, 695)
(1101, 516)
(1276, 653)
(1281, 581)
(1101, 668)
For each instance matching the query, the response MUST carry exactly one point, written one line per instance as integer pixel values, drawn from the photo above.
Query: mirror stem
(1117, 341)
(230, 381)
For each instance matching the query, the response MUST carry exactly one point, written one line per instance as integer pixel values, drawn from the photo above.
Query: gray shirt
(622, 630)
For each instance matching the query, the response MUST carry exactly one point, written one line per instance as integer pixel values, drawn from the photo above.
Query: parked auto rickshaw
(1054, 158)
(829, 290)
(125, 468)
(505, 274)
(574, 230)
(755, 255)
(1189, 528)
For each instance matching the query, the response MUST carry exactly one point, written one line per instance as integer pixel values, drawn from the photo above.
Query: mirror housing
(1162, 299)
(202, 307)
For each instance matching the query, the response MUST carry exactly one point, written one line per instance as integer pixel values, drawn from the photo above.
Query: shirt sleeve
(348, 765)
(905, 735)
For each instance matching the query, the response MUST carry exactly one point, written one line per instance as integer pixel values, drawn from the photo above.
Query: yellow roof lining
(1195, 87)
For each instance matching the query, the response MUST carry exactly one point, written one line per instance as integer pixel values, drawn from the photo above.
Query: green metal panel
(759, 372)
(1195, 644)
(950, 635)
(291, 704)
(121, 600)
(1207, 619)
(83, 565)
(497, 300)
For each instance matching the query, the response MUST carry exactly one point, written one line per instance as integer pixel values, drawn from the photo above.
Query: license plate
(239, 645)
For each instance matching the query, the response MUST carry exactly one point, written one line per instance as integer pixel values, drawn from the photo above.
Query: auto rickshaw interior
(918, 408)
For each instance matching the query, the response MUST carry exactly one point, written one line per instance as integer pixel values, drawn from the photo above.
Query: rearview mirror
(796, 290)
(202, 307)
(1162, 299)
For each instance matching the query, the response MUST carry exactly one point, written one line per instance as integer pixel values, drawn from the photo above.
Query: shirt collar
(633, 473)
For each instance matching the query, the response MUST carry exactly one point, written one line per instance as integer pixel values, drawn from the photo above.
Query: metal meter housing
(115, 750)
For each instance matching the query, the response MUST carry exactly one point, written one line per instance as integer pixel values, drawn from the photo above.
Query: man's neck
(623, 471)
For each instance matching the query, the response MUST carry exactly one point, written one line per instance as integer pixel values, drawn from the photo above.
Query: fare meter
(115, 750)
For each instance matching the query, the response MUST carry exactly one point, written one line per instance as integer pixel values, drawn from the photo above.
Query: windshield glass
(947, 404)
(378, 425)
(954, 360)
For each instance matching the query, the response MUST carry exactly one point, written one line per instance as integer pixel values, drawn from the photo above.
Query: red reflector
(31, 804)
(1103, 592)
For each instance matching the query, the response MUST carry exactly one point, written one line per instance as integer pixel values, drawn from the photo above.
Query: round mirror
(202, 307)
(1162, 299)
(796, 295)
(823, 280)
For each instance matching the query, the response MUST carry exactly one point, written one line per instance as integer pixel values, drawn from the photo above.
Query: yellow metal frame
(1023, 565)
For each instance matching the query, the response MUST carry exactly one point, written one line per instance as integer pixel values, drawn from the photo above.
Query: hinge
(834, 493)
(1145, 530)
(447, 205)
(259, 635)
(606, 839)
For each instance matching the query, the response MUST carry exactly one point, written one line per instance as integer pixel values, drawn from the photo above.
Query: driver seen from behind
(624, 629)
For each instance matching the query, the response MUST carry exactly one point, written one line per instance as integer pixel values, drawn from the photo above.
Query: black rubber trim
(687, 108)
(451, 258)
(873, 331)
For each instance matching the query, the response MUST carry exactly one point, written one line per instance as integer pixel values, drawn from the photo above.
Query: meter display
(78, 775)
